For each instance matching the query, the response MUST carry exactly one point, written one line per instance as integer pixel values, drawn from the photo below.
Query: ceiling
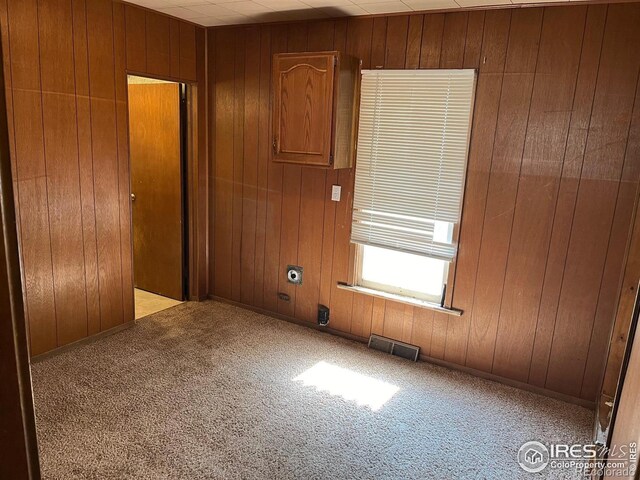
(232, 12)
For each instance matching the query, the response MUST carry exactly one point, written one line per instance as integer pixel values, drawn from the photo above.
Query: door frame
(623, 428)
(18, 440)
(190, 165)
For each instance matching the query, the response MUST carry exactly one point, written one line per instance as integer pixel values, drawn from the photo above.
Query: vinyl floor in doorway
(208, 390)
(147, 303)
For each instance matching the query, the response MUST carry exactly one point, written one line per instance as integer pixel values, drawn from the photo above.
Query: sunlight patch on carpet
(353, 386)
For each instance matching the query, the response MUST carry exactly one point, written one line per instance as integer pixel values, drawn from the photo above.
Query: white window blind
(411, 162)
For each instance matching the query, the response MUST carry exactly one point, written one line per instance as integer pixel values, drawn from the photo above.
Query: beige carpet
(213, 391)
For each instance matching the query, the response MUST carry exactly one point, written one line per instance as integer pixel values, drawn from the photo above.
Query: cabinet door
(303, 108)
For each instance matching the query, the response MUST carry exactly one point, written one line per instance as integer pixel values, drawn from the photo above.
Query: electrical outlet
(323, 315)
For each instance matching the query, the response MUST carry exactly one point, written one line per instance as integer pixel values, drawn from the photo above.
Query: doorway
(157, 139)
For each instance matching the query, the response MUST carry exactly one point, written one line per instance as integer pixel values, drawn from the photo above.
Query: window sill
(402, 299)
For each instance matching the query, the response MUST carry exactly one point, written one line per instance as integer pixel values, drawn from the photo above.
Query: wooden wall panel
(160, 46)
(596, 199)
(396, 50)
(492, 47)
(158, 43)
(67, 110)
(360, 46)
(188, 59)
(320, 36)
(473, 43)
(619, 239)
(272, 269)
(55, 20)
(174, 48)
(264, 147)
(453, 57)
(250, 163)
(537, 283)
(509, 139)
(65, 216)
(341, 301)
(136, 38)
(105, 154)
(565, 204)
(296, 35)
(551, 106)
(199, 173)
(378, 41)
(35, 241)
(414, 41)
(223, 187)
(432, 29)
(122, 130)
(237, 140)
(85, 164)
(454, 40)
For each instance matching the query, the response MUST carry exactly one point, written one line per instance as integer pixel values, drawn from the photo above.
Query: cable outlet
(294, 274)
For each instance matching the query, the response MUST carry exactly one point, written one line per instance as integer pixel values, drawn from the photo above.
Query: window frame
(355, 281)
(358, 281)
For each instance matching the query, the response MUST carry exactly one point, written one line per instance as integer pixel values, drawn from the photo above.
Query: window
(413, 141)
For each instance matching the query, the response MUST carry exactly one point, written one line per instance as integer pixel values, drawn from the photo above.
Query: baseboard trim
(82, 341)
(511, 383)
(286, 318)
(425, 358)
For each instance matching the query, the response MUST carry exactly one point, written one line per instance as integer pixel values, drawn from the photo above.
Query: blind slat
(412, 152)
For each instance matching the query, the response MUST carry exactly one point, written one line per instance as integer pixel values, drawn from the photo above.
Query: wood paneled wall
(552, 182)
(65, 73)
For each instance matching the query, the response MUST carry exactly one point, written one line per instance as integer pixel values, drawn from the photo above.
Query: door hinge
(275, 145)
(335, 61)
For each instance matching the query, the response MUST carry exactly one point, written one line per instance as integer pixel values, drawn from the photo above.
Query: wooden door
(156, 187)
(303, 107)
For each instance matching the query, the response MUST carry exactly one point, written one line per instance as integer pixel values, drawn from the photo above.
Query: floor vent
(399, 349)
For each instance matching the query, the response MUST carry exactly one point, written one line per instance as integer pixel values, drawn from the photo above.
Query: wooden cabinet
(314, 108)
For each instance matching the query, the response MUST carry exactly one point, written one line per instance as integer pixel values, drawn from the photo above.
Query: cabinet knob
(275, 146)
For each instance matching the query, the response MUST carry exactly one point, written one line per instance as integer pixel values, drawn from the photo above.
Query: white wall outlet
(336, 191)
